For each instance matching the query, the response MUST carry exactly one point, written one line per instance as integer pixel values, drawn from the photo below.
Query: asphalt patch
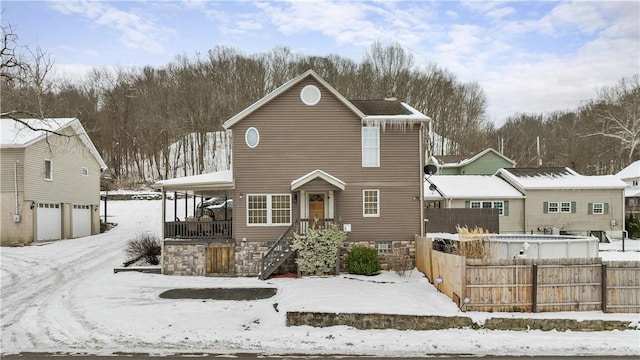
(220, 293)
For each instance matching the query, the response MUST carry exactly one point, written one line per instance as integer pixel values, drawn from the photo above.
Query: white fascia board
(317, 174)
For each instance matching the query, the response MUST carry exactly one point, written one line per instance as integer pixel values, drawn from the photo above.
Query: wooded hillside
(134, 115)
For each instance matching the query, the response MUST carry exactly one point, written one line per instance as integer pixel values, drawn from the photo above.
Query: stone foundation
(248, 257)
(401, 256)
(184, 258)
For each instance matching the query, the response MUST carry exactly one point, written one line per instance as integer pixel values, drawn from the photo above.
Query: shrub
(144, 246)
(632, 225)
(400, 261)
(318, 249)
(363, 260)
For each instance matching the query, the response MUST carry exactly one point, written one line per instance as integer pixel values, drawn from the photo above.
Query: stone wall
(401, 256)
(430, 322)
(248, 257)
(184, 258)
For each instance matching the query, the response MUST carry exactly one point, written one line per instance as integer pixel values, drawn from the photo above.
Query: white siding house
(49, 181)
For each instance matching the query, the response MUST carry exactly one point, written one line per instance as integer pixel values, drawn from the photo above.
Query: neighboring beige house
(559, 200)
(49, 181)
(305, 155)
(631, 176)
(477, 192)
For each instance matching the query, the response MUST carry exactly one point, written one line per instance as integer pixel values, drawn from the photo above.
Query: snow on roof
(16, 134)
(630, 172)
(210, 181)
(558, 178)
(19, 134)
(632, 192)
(470, 187)
(460, 160)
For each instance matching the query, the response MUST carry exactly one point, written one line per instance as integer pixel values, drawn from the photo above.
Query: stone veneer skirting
(188, 257)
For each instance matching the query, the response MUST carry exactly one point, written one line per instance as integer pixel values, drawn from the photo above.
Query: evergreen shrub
(363, 260)
(632, 225)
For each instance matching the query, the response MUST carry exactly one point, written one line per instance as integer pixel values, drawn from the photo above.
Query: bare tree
(617, 112)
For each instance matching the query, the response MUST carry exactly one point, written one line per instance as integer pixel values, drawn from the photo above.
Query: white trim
(377, 214)
(317, 174)
(600, 211)
(284, 87)
(377, 147)
(269, 199)
(246, 137)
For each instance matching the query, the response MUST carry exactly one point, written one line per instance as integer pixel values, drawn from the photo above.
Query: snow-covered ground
(64, 297)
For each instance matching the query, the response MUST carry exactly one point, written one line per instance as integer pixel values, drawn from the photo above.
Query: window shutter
(606, 208)
(590, 208)
(467, 204)
(573, 207)
(505, 209)
(545, 207)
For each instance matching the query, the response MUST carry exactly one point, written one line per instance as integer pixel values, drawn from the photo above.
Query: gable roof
(15, 134)
(462, 160)
(470, 187)
(317, 174)
(284, 87)
(557, 178)
(632, 171)
(372, 112)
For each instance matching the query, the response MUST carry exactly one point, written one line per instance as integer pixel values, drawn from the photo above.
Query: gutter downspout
(15, 181)
(421, 174)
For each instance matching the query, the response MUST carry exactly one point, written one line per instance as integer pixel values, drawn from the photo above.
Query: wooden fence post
(604, 287)
(534, 287)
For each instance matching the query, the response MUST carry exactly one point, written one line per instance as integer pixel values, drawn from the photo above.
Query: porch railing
(277, 254)
(305, 224)
(202, 229)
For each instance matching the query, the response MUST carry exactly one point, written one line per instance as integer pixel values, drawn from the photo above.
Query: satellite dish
(430, 169)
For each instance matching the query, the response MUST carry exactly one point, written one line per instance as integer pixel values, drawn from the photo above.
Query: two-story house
(631, 176)
(49, 181)
(305, 156)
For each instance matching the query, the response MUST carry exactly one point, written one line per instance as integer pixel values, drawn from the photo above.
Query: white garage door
(81, 220)
(49, 222)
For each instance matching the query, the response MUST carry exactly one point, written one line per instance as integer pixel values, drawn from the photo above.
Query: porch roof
(219, 180)
(317, 174)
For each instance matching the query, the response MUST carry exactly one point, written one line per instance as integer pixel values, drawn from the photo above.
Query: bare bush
(400, 261)
(144, 247)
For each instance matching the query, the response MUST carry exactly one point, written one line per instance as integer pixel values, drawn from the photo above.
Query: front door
(316, 210)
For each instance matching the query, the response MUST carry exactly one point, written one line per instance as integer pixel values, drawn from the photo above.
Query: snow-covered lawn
(65, 297)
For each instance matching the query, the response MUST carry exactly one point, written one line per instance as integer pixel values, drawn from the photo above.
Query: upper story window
(48, 170)
(252, 137)
(371, 203)
(84, 171)
(269, 209)
(370, 146)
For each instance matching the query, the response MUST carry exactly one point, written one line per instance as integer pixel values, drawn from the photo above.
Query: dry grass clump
(474, 244)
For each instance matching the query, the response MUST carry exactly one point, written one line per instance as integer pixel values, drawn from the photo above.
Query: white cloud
(136, 32)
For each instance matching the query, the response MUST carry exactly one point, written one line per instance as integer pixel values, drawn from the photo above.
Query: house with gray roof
(486, 162)
(49, 181)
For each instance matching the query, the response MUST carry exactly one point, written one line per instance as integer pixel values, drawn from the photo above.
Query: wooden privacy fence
(446, 220)
(532, 285)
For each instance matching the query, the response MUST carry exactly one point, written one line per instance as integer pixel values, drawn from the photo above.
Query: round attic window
(310, 95)
(252, 137)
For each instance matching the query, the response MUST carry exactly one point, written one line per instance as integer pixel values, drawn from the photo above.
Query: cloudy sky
(528, 56)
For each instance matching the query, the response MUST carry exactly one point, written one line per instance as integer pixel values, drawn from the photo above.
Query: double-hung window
(555, 207)
(597, 208)
(370, 146)
(489, 205)
(371, 203)
(269, 209)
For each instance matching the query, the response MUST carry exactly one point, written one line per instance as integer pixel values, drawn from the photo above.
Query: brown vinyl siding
(296, 139)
